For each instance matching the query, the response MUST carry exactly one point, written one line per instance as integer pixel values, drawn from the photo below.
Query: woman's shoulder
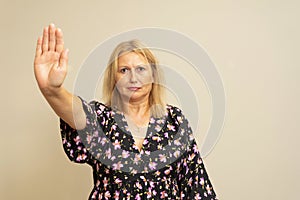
(95, 105)
(99, 105)
(173, 109)
(176, 113)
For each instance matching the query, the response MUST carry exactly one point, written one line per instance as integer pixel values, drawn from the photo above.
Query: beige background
(255, 45)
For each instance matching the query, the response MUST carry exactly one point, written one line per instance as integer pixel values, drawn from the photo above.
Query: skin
(50, 69)
(134, 83)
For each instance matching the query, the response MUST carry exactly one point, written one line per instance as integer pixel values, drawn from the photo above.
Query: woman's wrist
(52, 91)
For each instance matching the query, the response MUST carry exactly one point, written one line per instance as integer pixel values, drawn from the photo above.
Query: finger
(52, 37)
(45, 40)
(38, 50)
(63, 60)
(59, 41)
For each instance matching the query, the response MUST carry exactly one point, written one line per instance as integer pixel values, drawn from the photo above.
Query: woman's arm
(50, 69)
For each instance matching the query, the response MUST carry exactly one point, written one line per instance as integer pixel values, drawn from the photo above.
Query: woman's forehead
(131, 58)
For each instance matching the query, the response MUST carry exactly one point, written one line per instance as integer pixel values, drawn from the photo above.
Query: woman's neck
(140, 108)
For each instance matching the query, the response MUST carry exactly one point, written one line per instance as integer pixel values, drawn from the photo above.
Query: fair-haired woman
(138, 146)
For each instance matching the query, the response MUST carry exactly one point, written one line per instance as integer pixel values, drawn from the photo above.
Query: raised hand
(51, 60)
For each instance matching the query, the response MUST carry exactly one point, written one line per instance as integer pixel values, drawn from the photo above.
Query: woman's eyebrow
(138, 65)
(120, 66)
(142, 65)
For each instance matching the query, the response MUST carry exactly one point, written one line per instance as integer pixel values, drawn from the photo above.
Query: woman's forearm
(67, 106)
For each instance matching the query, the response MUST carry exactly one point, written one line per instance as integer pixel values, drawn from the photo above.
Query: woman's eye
(140, 69)
(123, 70)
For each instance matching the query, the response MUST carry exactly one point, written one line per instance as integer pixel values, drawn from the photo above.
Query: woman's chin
(136, 97)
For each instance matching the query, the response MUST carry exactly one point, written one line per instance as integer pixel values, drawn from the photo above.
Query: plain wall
(254, 44)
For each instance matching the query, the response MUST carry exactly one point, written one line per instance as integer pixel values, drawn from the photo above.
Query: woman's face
(134, 77)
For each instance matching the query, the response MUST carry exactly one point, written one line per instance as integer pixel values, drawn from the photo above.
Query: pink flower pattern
(178, 174)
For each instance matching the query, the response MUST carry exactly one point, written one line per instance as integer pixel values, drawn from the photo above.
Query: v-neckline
(134, 143)
(120, 121)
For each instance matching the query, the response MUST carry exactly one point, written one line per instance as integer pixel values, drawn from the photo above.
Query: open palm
(51, 59)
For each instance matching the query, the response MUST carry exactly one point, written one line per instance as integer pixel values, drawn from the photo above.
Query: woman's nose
(133, 77)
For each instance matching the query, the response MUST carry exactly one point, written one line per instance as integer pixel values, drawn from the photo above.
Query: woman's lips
(133, 88)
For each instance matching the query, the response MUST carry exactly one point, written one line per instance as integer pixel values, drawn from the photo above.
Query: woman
(138, 146)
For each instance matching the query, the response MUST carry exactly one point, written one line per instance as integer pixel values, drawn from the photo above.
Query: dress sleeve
(193, 179)
(77, 143)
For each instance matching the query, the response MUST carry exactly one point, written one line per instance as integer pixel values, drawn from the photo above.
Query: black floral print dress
(168, 166)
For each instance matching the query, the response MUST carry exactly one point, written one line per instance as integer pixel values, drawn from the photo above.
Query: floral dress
(168, 165)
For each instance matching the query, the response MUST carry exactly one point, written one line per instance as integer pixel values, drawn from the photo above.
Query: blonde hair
(110, 94)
